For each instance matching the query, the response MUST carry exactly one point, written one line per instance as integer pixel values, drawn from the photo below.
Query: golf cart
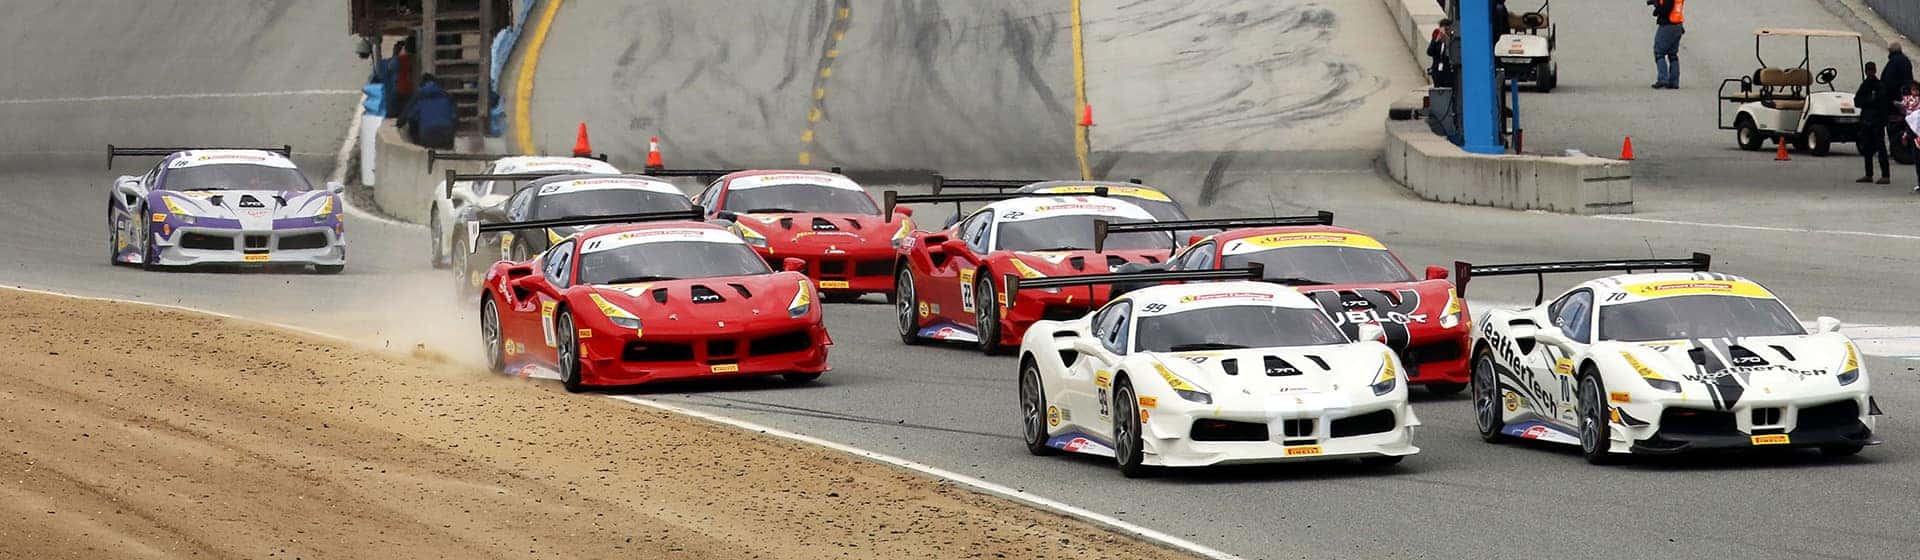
(1779, 103)
(1525, 54)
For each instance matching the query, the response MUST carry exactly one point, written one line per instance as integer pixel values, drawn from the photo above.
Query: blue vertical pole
(1479, 95)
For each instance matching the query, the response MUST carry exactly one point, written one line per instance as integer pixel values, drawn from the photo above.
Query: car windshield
(669, 260)
(1162, 210)
(607, 202)
(800, 197)
(1326, 264)
(236, 176)
(1064, 233)
(1699, 316)
(1239, 326)
(506, 187)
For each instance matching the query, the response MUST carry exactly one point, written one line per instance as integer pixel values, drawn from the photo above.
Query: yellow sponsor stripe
(523, 80)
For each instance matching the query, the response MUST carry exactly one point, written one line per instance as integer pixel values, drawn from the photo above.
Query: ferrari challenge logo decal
(1737, 288)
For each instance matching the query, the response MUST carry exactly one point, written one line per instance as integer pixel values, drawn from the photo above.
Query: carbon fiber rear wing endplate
(475, 228)
(1254, 271)
(116, 151)
(1465, 271)
(1103, 228)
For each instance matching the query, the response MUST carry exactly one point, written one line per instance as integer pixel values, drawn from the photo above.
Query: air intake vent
(821, 224)
(1114, 262)
(1277, 367)
(855, 223)
(786, 223)
(1319, 362)
(1297, 428)
(659, 295)
(704, 294)
(1742, 357)
(1783, 352)
(1150, 259)
(742, 290)
(248, 201)
(1078, 263)
(1231, 366)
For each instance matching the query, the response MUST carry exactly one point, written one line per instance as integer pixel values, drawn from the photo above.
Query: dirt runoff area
(140, 432)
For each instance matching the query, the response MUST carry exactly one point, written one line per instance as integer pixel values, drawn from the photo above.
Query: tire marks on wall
(817, 97)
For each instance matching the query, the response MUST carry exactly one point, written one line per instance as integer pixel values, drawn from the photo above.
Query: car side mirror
(1552, 336)
(1086, 345)
(954, 246)
(1827, 324)
(1436, 273)
(727, 215)
(791, 264)
(1195, 239)
(904, 211)
(1371, 332)
(336, 187)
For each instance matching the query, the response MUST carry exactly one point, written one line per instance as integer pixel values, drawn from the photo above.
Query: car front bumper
(318, 244)
(1674, 426)
(1379, 428)
(608, 359)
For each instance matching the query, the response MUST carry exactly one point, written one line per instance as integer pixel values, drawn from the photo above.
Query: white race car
(448, 202)
(1661, 363)
(1191, 375)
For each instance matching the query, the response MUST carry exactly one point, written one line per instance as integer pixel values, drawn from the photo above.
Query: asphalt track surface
(954, 409)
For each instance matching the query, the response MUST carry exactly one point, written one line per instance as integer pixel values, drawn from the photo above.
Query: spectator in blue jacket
(431, 115)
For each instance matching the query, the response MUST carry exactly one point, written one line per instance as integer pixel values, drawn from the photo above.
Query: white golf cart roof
(1793, 32)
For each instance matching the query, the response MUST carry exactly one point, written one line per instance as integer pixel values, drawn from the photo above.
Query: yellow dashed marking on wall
(523, 79)
(817, 110)
(1082, 144)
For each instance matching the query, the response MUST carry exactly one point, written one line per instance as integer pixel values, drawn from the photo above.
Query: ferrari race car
(458, 191)
(1152, 200)
(646, 302)
(223, 206)
(1661, 363)
(558, 197)
(947, 283)
(1209, 373)
(820, 217)
(1350, 274)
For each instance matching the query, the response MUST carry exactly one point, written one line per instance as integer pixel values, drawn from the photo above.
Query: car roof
(196, 158)
(1632, 288)
(772, 177)
(559, 184)
(522, 164)
(1174, 298)
(1130, 190)
(1037, 207)
(1253, 240)
(615, 236)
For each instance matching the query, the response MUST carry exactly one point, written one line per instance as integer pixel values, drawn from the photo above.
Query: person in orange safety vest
(1670, 18)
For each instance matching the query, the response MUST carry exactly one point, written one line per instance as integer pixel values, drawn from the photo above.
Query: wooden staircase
(460, 33)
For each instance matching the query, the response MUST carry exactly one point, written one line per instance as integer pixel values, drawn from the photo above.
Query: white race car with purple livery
(1663, 363)
(223, 206)
(1213, 373)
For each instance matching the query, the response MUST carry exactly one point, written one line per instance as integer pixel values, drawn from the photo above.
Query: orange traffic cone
(1781, 154)
(581, 147)
(654, 160)
(1086, 115)
(1626, 149)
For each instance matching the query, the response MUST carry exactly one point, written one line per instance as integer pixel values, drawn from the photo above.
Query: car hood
(254, 209)
(1265, 372)
(1035, 264)
(807, 230)
(1407, 310)
(727, 298)
(1745, 361)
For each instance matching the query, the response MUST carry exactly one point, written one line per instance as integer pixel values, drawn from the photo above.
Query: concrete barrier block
(1437, 170)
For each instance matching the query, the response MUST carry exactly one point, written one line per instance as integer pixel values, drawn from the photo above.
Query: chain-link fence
(1903, 14)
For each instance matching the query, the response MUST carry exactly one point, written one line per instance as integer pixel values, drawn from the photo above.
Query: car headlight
(175, 210)
(1653, 378)
(1182, 387)
(802, 302)
(1850, 372)
(753, 237)
(1451, 318)
(1388, 378)
(325, 210)
(906, 229)
(620, 317)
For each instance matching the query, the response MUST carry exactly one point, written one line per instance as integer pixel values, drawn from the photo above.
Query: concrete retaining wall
(1437, 170)
(405, 188)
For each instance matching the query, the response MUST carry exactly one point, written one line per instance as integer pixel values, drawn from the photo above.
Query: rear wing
(941, 183)
(1465, 271)
(456, 176)
(115, 151)
(1103, 228)
(475, 228)
(436, 156)
(1254, 271)
(703, 174)
(892, 199)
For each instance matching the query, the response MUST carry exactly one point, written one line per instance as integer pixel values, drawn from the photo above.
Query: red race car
(948, 284)
(645, 302)
(1350, 274)
(821, 217)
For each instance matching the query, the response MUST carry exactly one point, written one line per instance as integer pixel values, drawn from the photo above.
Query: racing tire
(491, 338)
(149, 253)
(1841, 450)
(1127, 443)
(329, 269)
(1747, 135)
(113, 241)
(1033, 409)
(1445, 389)
(1486, 399)
(439, 250)
(1381, 462)
(904, 304)
(1819, 140)
(986, 315)
(1596, 433)
(800, 377)
(1546, 78)
(462, 266)
(568, 350)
